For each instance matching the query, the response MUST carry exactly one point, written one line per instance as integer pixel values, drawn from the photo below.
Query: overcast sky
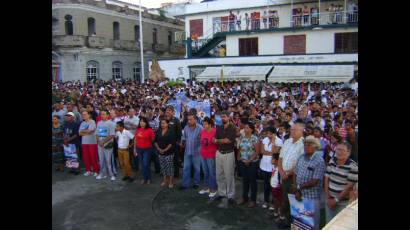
(153, 3)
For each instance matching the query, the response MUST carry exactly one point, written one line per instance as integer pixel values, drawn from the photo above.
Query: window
(294, 44)
(248, 46)
(154, 36)
(196, 27)
(137, 33)
(92, 70)
(137, 72)
(68, 24)
(116, 27)
(346, 42)
(55, 25)
(91, 26)
(169, 38)
(116, 70)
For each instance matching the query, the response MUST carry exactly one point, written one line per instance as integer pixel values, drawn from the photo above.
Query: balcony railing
(69, 40)
(96, 42)
(330, 18)
(124, 44)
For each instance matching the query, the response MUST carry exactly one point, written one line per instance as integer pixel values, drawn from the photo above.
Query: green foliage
(172, 83)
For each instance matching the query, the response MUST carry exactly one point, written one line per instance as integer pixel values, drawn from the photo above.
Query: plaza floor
(83, 203)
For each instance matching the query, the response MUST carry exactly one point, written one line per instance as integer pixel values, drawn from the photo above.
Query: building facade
(100, 40)
(280, 32)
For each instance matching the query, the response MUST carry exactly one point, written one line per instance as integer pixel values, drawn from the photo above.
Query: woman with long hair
(165, 143)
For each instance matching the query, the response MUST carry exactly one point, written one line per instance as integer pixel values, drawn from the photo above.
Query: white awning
(311, 73)
(235, 73)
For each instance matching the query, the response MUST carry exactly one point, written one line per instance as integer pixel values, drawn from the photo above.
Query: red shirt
(208, 148)
(144, 138)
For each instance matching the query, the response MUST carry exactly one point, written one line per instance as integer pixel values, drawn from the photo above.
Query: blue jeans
(191, 161)
(145, 156)
(209, 168)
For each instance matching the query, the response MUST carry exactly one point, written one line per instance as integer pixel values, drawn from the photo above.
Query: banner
(181, 96)
(302, 213)
(203, 108)
(70, 153)
(177, 106)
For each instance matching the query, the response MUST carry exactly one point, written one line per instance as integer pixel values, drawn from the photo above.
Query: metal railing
(69, 40)
(252, 24)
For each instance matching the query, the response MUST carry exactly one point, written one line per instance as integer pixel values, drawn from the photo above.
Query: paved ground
(83, 203)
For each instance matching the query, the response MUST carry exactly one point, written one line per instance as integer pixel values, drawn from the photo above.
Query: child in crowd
(276, 189)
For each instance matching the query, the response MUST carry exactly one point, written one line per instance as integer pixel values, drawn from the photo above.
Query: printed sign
(302, 213)
(70, 153)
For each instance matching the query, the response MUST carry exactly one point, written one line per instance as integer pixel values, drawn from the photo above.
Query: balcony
(96, 42)
(124, 45)
(69, 40)
(331, 18)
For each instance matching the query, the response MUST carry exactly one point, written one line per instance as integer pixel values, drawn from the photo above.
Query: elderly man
(341, 175)
(309, 173)
(292, 149)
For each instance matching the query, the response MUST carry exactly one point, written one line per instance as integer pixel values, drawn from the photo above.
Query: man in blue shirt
(192, 158)
(309, 175)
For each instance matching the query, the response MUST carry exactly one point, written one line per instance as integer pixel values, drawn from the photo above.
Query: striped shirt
(339, 176)
(290, 153)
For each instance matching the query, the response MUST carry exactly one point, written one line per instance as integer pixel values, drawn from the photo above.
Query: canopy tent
(235, 73)
(311, 73)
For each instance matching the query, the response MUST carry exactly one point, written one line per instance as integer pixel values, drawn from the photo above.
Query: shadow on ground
(83, 203)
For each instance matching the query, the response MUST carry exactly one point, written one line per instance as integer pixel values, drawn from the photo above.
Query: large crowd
(298, 138)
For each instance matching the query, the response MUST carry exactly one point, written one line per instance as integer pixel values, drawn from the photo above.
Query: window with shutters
(248, 46)
(196, 27)
(294, 44)
(346, 42)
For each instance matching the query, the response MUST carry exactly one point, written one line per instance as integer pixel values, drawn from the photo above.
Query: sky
(153, 3)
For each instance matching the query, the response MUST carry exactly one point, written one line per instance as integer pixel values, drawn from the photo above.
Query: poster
(302, 213)
(181, 96)
(177, 106)
(70, 153)
(203, 108)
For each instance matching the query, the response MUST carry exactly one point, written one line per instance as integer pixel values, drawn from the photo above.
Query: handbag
(109, 145)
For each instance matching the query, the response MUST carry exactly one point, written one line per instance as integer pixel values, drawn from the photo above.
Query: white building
(320, 42)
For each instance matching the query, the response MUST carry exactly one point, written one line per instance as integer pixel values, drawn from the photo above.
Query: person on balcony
(265, 19)
(275, 19)
(339, 10)
(238, 20)
(314, 12)
(231, 19)
(247, 20)
(305, 16)
(350, 11)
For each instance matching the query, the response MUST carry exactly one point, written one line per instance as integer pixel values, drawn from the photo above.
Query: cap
(70, 114)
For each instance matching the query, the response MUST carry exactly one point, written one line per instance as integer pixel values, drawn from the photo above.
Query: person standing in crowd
(131, 123)
(59, 112)
(77, 115)
(89, 145)
(91, 110)
(57, 144)
(124, 137)
(191, 138)
(341, 175)
(71, 135)
(292, 149)
(208, 152)
(249, 149)
(174, 126)
(271, 145)
(165, 144)
(105, 138)
(144, 137)
(306, 16)
(309, 173)
(225, 161)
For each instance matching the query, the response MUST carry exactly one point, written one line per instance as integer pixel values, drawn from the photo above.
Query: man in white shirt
(131, 123)
(123, 137)
(292, 149)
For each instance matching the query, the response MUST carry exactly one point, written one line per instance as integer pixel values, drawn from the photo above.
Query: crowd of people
(297, 138)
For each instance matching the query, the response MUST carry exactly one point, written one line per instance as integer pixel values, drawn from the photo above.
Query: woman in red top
(208, 152)
(144, 136)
